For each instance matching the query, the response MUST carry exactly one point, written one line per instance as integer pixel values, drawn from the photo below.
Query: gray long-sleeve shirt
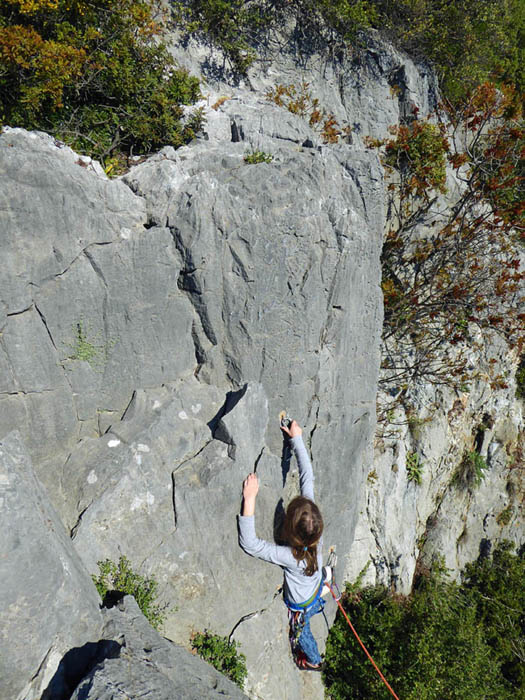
(298, 586)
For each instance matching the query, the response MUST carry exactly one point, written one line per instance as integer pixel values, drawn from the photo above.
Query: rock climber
(300, 558)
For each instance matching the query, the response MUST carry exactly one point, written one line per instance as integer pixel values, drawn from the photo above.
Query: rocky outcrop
(56, 643)
(49, 604)
(143, 664)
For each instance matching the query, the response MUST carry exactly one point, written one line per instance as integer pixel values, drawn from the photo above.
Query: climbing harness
(360, 642)
(302, 607)
(296, 612)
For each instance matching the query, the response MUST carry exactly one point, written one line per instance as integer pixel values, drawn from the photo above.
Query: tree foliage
(445, 641)
(452, 266)
(95, 73)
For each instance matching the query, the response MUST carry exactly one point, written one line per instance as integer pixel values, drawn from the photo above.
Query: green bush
(443, 642)
(121, 578)
(222, 655)
(418, 151)
(95, 74)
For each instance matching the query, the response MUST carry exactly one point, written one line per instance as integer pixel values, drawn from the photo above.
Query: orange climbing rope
(360, 642)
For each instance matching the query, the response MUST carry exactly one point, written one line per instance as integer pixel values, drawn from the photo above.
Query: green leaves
(120, 577)
(222, 655)
(95, 74)
(470, 472)
(451, 269)
(253, 157)
(414, 468)
(459, 642)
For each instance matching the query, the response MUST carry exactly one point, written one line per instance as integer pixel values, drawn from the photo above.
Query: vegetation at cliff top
(222, 655)
(467, 43)
(122, 579)
(95, 74)
(444, 641)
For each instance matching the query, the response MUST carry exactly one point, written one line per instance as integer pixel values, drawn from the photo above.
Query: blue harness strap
(302, 607)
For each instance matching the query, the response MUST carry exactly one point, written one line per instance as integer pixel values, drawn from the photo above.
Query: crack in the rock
(173, 483)
(21, 392)
(258, 459)
(130, 402)
(173, 500)
(249, 616)
(189, 459)
(73, 531)
(96, 267)
(18, 313)
(43, 319)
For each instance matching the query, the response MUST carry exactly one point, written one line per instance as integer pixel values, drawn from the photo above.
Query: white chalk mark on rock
(92, 477)
(183, 415)
(113, 443)
(139, 501)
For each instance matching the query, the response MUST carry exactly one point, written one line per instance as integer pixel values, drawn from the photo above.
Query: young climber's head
(303, 527)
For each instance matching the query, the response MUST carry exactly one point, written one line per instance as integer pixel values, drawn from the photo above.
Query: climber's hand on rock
(250, 486)
(293, 430)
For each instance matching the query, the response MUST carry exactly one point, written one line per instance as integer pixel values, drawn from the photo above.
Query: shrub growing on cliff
(443, 641)
(470, 472)
(93, 73)
(122, 579)
(222, 655)
(451, 267)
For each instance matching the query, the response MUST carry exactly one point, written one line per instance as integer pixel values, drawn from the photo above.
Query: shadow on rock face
(278, 522)
(232, 399)
(76, 664)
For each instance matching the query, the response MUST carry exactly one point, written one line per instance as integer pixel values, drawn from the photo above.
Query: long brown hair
(303, 527)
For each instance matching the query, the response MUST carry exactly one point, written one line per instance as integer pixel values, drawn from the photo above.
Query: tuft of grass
(122, 579)
(83, 349)
(257, 157)
(87, 350)
(414, 467)
(222, 655)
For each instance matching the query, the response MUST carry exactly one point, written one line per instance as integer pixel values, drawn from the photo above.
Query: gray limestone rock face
(91, 307)
(404, 525)
(147, 665)
(49, 603)
(367, 90)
